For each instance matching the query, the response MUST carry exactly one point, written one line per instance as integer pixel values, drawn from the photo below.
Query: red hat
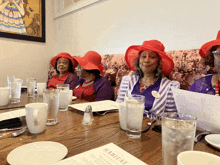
(91, 60)
(207, 46)
(64, 55)
(166, 61)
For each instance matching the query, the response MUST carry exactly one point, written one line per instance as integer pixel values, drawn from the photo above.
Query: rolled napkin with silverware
(10, 123)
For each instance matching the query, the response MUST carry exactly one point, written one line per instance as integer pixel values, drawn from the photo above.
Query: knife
(10, 129)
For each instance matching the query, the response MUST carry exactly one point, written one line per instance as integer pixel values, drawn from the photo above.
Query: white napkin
(97, 105)
(12, 114)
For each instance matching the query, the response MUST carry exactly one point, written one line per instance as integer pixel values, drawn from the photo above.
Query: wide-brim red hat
(204, 50)
(166, 61)
(64, 55)
(90, 61)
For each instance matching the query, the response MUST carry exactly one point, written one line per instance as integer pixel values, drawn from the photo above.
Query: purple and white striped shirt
(164, 103)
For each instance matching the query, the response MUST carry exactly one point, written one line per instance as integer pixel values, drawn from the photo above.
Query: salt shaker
(87, 118)
(90, 108)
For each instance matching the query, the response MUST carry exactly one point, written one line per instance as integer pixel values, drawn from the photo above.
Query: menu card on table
(109, 154)
(97, 105)
(205, 107)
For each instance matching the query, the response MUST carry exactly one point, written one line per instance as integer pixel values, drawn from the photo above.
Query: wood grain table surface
(105, 129)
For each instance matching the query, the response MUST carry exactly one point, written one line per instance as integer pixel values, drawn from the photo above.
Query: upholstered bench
(188, 67)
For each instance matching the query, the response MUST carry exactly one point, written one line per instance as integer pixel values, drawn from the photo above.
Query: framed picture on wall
(62, 7)
(23, 19)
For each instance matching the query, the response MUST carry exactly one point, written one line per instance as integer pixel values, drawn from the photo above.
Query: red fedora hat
(204, 50)
(166, 61)
(91, 60)
(64, 55)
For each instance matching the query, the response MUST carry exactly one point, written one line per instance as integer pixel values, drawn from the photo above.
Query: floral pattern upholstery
(51, 72)
(188, 66)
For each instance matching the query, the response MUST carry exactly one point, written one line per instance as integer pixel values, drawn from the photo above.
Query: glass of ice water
(51, 97)
(178, 134)
(31, 82)
(135, 109)
(15, 87)
(64, 96)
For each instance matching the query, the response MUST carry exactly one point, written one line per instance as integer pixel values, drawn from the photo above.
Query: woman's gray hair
(139, 72)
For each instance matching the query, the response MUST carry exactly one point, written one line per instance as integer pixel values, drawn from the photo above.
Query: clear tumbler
(178, 134)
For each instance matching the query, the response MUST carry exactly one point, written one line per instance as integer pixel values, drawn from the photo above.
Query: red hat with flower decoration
(166, 61)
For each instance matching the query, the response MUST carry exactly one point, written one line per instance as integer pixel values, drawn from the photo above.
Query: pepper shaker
(91, 113)
(87, 118)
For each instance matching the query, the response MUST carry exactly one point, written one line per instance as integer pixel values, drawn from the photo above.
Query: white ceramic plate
(43, 153)
(74, 97)
(213, 139)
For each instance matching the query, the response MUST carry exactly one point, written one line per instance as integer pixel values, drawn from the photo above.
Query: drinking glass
(51, 97)
(15, 87)
(135, 109)
(4, 95)
(64, 96)
(31, 86)
(178, 134)
(40, 88)
(10, 79)
(122, 115)
(70, 96)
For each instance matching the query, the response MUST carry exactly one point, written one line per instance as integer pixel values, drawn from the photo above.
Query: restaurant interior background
(110, 27)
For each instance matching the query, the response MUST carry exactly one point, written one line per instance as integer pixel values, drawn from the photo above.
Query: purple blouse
(203, 85)
(149, 99)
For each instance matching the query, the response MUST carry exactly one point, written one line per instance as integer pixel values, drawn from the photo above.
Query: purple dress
(203, 85)
(147, 93)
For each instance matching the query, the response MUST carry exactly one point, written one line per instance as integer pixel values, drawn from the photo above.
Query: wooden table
(105, 129)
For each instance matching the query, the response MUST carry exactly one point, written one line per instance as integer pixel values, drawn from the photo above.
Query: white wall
(108, 27)
(111, 26)
(27, 58)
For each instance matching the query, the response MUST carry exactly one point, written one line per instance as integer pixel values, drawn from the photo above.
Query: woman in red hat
(65, 66)
(209, 84)
(150, 64)
(91, 85)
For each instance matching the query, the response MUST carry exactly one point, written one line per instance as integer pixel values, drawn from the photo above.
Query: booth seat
(188, 66)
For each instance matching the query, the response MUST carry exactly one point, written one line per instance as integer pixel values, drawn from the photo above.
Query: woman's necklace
(217, 87)
(87, 82)
(142, 87)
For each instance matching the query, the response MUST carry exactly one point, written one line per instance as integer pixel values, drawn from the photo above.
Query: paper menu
(12, 114)
(109, 154)
(205, 107)
(97, 105)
